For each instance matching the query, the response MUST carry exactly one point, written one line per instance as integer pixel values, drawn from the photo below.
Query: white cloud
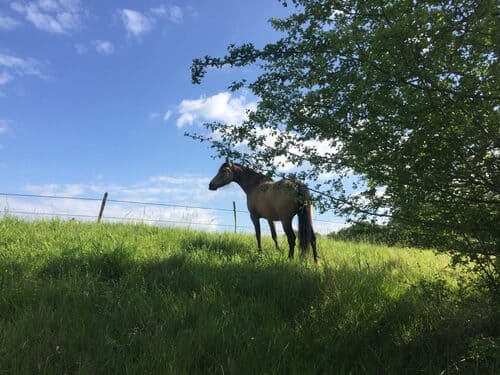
(174, 189)
(68, 190)
(54, 16)
(176, 14)
(159, 11)
(104, 47)
(4, 126)
(173, 13)
(158, 115)
(182, 194)
(167, 115)
(19, 65)
(233, 110)
(325, 228)
(272, 139)
(81, 49)
(220, 107)
(8, 23)
(312, 146)
(136, 22)
(13, 67)
(5, 78)
(192, 11)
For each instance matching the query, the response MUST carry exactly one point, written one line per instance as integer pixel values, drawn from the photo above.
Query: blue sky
(96, 96)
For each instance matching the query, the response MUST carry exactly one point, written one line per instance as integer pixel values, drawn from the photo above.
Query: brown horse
(272, 200)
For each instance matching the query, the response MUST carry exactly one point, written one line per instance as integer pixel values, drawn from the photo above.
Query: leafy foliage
(371, 232)
(405, 94)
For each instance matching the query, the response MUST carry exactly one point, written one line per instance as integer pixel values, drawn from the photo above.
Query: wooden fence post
(103, 203)
(234, 212)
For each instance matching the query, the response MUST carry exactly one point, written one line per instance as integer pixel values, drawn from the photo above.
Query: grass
(113, 298)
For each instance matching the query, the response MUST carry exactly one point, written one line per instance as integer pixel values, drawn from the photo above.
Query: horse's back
(274, 200)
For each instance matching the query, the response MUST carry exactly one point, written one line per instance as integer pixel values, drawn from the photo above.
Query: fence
(117, 210)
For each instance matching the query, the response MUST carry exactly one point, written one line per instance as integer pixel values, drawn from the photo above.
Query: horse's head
(223, 177)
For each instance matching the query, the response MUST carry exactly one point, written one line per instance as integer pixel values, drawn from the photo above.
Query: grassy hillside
(86, 298)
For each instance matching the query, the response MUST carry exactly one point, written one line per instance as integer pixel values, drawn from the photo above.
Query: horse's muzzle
(211, 187)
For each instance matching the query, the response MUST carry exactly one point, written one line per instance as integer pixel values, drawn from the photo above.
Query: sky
(96, 96)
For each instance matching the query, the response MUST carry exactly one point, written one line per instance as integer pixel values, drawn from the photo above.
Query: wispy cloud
(104, 47)
(4, 126)
(81, 48)
(226, 108)
(5, 78)
(222, 107)
(136, 23)
(65, 190)
(17, 63)
(54, 16)
(304, 149)
(14, 65)
(167, 115)
(159, 116)
(176, 14)
(178, 189)
(182, 194)
(8, 23)
(172, 13)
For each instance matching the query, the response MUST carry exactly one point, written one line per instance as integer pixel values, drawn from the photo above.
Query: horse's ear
(228, 162)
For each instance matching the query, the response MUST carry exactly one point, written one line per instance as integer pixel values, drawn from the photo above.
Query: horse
(272, 200)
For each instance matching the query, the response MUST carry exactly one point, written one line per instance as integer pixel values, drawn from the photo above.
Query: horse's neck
(249, 179)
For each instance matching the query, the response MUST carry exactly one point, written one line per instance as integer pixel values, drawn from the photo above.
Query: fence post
(234, 212)
(103, 203)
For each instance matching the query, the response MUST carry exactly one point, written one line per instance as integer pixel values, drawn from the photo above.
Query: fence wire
(114, 218)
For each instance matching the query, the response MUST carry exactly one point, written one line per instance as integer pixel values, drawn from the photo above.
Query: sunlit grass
(90, 298)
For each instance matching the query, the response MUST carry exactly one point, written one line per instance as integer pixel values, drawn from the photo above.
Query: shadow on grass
(290, 287)
(104, 266)
(220, 245)
(189, 314)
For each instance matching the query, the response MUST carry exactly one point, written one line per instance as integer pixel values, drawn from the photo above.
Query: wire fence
(35, 206)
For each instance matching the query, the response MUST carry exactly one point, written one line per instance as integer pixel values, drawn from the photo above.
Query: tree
(404, 93)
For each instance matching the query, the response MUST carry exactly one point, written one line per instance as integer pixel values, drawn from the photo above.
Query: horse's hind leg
(287, 227)
(273, 233)
(256, 224)
(313, 245)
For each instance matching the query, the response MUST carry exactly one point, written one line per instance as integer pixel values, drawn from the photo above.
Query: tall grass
(113, 298)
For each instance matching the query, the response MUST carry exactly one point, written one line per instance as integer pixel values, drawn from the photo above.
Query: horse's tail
(306, 233)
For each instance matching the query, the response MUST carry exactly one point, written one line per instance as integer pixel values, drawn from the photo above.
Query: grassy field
(87, 298)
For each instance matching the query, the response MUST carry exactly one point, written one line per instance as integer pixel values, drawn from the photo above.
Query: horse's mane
(253, 173)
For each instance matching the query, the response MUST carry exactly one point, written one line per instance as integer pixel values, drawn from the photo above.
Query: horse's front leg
(273, 234)
(287, 227)
(256, 223)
